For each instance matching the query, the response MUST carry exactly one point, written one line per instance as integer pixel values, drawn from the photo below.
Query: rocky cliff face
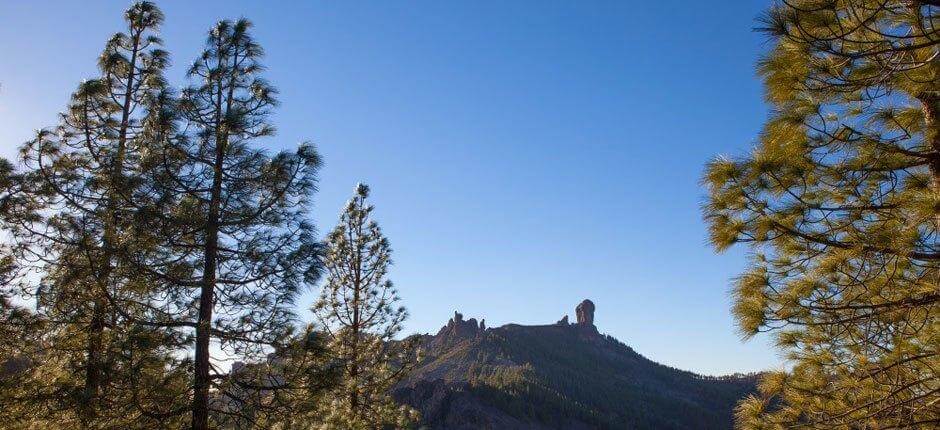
(558, 376)
(456, 330)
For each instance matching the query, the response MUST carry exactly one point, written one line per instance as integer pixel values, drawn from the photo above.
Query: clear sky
(522, 155)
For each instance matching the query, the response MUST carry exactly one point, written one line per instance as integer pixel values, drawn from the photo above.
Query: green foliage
(566, 377)
(88, 361)
(284, 392)
(839, 204)
(358, 308)
(156, 229)
(235, 245)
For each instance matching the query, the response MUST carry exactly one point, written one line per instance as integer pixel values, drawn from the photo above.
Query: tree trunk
(203, 332)
(93, 349)
(207, 294)
(354, 350)
(96, 326)
(929, 103)
(357, 318)
(206, 301)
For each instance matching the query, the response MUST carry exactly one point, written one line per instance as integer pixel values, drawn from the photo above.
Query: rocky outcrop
(585, 313)
(563, 321)
(457, 330)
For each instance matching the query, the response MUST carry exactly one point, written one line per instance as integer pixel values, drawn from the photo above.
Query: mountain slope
(561, 376)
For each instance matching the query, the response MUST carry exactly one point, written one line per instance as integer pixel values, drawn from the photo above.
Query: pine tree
(840, 204)
(15, 207)
(237, 243)
(358, 308)
(19, 327)
(95, 358)
(149, 217)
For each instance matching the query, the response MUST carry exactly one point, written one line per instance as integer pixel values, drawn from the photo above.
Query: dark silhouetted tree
(239, 245)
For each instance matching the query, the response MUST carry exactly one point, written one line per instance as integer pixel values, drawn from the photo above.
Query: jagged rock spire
(585, 313)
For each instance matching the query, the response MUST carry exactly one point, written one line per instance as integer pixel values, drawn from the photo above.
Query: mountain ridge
(558, 376)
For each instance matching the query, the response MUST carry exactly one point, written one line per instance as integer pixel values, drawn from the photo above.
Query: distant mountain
(559, 376)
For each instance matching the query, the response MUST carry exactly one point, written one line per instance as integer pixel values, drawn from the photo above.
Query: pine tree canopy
(839, 203)
(83, 190)
(359, 309)
(158, 231)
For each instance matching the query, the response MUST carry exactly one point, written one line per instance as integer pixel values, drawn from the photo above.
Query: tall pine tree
(840, 204)
(359, 310)
(238, 241)
(83, 174)
(160, 232)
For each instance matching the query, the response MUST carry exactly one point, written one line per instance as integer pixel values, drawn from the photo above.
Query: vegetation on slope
(569, 376)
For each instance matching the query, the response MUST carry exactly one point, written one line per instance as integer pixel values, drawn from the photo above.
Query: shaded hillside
(560, 376)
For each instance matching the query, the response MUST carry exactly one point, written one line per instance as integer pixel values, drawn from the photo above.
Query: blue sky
(522, 155)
